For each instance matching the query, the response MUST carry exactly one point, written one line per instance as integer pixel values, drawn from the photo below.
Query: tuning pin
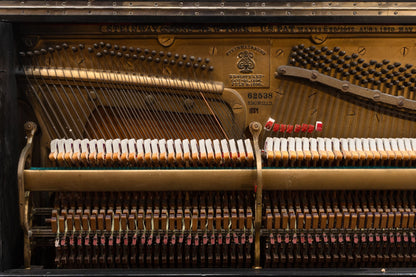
(123, 48)
(157, 60)
(96, 46)
(184, 57)
(74, 49)
(116, 47)
(188, 64)
(172, 62)
(211, 68)
(149, 59)
(196, 65)
(180, 63)
(203, 67)
(65, 46)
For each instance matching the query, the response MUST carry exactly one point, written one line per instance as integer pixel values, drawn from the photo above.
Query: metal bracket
(377, 96)
(255, 129)
(25, 161)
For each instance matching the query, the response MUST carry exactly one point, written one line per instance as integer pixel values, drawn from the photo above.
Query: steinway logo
(246, 57)
(246, 62)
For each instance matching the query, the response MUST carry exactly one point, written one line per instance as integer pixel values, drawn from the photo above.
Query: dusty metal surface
(208, 8)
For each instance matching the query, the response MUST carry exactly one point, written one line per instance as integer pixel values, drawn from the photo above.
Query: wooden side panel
(10, 233)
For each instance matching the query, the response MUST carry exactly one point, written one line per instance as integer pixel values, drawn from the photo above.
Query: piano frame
(225, 12)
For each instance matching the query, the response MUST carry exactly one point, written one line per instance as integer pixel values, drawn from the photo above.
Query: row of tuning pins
(129, 53)
(387, 76)
(340, 249)
(154, 250)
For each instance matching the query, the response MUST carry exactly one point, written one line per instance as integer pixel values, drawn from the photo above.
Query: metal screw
(400, 102)
(189, 103)
(404, 51)
(376, 96)
(282, 71)
(212, 50)
(314, 76)
(237, 108)
(166, 40)
(345, 87)
(279, 52)
(362, 50)
(319, 38)
(255, 126)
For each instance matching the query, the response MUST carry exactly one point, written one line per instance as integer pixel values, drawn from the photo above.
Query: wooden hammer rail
(219, 179)
(113, 77)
